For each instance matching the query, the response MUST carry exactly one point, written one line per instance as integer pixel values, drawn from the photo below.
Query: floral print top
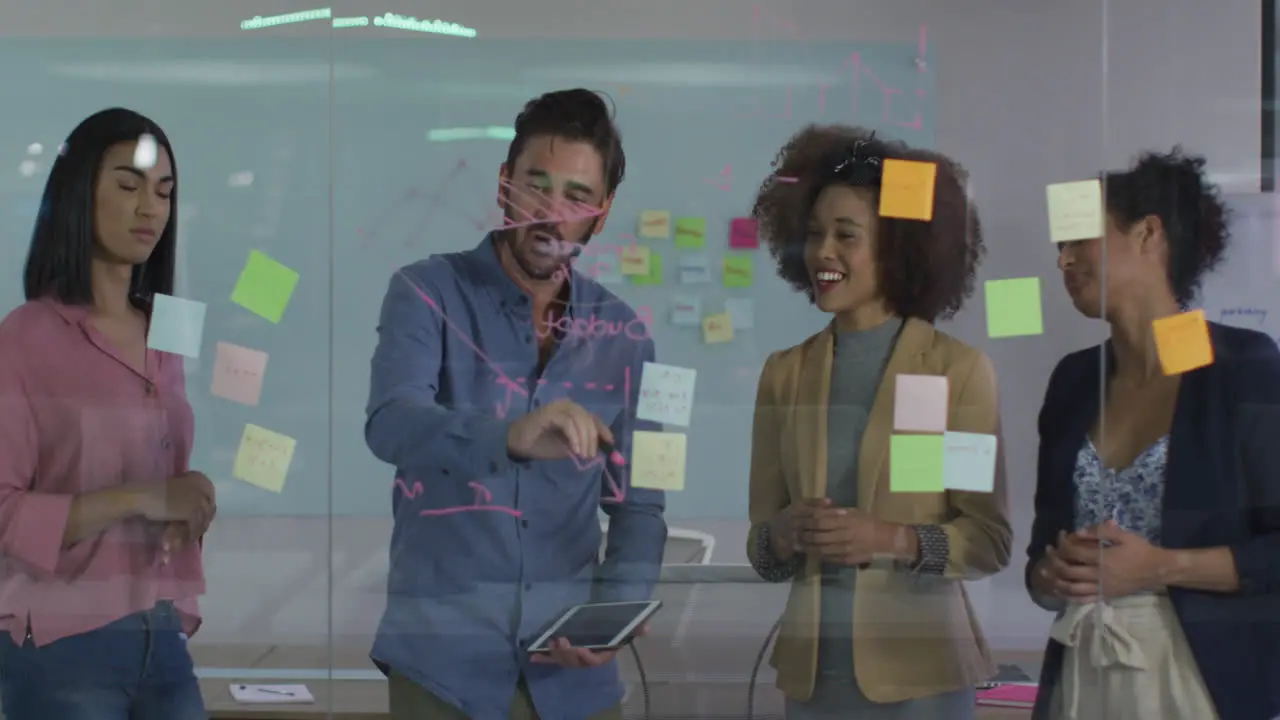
(1131, 496)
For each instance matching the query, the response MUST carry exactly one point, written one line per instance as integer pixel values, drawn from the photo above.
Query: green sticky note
(654, 277)
(265, 286)
(915, 463)
(1013, 307)
(691, 233)
(739, 272)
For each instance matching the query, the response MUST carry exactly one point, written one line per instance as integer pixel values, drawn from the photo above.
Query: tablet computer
(597, 626)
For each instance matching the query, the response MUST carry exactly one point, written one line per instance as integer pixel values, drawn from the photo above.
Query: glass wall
(323, 150)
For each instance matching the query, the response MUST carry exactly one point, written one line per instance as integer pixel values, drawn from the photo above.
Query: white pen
(269, 691)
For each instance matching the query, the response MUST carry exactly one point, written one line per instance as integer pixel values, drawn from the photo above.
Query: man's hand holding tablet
(590, 635)
(564, 654)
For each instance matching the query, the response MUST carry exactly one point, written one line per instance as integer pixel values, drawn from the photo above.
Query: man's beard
(533, 270)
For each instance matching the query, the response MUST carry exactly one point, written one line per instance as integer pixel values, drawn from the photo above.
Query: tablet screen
(598, 625)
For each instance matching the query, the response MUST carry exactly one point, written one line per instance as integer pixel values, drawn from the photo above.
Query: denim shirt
(488, 550)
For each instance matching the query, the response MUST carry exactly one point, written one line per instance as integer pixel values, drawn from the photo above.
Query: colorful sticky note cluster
(717, 328)
(1013, 307)
(238, 373)
(686, 310)
(920, 403)
(177, 325)
(739, 271)
(655, 224)
(666, 394)
(907, 188)
(658, 460)
(691, 233)
(264, 458)
(1075, 210)
(265, 286)
(654, 276)
(743, 234)
(635, 260)
(1182, 342)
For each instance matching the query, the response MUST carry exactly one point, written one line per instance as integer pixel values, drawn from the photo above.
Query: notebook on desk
(1011, 695)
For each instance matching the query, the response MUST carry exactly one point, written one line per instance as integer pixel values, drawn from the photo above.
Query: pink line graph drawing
(857, 71)
(484, 496)
(513, 389)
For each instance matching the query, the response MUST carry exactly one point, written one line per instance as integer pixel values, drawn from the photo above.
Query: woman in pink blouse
(100, 517)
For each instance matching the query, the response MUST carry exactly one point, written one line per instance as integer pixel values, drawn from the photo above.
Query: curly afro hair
(926, 269)
(1173, 187)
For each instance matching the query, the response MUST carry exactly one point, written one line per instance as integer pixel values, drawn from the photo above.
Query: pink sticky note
(238, 373)
(920, 403)
(743, 234)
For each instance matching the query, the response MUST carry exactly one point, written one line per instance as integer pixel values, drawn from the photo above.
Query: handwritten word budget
(658, 460)
(264, 458)
(666, 394)
(591, 326)
(177, 325)
(238, 373)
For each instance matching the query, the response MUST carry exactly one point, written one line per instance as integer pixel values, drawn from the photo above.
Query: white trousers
(1127, 659)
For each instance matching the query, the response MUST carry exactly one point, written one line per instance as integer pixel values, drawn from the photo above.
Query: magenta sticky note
(743, 234)
(238, 373)
(920, 403)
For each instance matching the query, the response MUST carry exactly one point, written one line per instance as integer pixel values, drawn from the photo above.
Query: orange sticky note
(906, 189)
(635, 260)
(717, 329)
(1182, 342)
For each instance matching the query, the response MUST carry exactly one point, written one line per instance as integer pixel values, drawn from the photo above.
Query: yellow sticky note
(691, 232)
(906, 189)
(265, 286)
(657, 460)
(1075, 210)
(263, 458)
(717, 328)
(1013, 307)
(655, 224)
(635, 260)
(739, 271)
(654, 276)
(915, 463)
(1182, 342)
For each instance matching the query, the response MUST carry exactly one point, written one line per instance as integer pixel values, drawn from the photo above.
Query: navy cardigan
(1222, 488)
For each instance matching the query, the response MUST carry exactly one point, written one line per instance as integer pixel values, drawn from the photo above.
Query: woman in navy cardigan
(1157, 527)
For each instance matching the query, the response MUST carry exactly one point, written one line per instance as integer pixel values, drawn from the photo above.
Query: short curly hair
(1174, 187)
(926, 269)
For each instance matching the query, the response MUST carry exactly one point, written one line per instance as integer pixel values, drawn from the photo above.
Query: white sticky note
(177, 325)
(1075, 210)
(743, 312)
(666, 394)
(920, 403)
(695, 269)
(146, 152)
(968, 461)
(271, 694)
(658, 460)
(686, 310)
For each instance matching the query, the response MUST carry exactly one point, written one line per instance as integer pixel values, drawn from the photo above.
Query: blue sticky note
(177, 325)
(968, 461)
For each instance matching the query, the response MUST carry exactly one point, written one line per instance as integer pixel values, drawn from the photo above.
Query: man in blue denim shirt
(504, 390)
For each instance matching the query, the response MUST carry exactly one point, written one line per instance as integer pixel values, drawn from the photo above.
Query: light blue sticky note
(968, 461)
(695, 269)
(743, 312)
(686, 310)
(177, 325)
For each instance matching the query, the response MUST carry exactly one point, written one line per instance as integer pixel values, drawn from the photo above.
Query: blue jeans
(136, 668)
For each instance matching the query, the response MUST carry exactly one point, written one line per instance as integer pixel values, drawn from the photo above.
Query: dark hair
(1173, 187)
(926, 269)
(62, 243)
(577, 114)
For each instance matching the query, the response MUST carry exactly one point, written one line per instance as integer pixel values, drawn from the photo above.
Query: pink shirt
(75, 418)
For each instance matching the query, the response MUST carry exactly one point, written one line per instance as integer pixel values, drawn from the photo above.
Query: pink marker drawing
(727, 175)
(484, 496)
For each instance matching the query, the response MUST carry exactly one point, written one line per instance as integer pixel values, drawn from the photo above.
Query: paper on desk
(255, 694)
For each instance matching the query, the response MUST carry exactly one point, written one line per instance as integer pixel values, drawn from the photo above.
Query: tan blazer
(914, 635)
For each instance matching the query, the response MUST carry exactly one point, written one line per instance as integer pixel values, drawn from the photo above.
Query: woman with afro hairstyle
(1157, 527)
(878, 625)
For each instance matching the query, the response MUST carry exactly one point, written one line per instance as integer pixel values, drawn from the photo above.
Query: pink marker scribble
(726, 176)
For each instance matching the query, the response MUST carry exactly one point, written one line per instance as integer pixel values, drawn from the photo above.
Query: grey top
(860, 359)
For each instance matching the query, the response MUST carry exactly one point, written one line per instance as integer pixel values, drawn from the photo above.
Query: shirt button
(493, 467)
(528, 586)
(148, 388)
(165, 443)
(524, 523)
(523, 300)
(528, 338)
